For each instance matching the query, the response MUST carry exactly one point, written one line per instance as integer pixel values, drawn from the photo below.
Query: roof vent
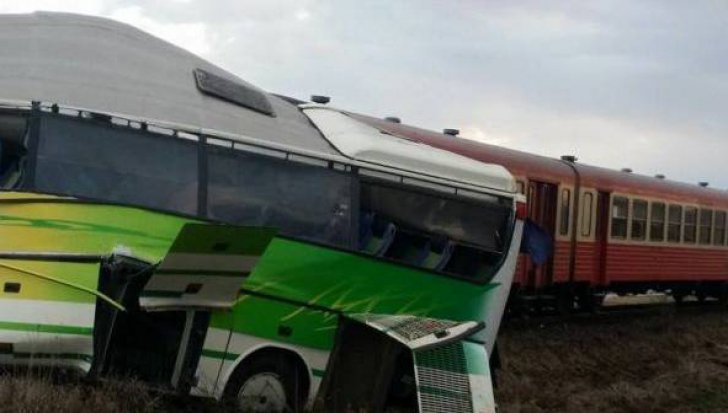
(393, 119)
(320, 99)
(232, 91)
(569, 158)
(703, 184)
(451, 132)
(660, 176)
(627, 170)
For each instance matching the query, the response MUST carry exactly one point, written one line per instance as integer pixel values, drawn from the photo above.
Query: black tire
(269, 368)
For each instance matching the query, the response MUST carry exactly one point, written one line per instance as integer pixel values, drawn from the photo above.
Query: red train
(623, 233)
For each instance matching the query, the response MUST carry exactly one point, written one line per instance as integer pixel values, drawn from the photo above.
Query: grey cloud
(619, 83)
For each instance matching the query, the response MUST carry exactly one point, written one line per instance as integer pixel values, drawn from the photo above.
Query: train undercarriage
(564, 298)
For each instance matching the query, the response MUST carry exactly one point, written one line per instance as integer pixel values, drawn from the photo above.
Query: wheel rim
(262, 392)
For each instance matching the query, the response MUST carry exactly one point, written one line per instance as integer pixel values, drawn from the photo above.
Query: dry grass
(33, 394)
(669, 362)
(40, 393)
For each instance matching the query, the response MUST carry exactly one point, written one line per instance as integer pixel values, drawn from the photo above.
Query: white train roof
(105, 66)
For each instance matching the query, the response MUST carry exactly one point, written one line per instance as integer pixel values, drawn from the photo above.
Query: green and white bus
(161, 218)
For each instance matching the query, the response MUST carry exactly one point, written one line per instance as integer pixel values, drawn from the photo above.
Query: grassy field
(39, 393)
(672, 361)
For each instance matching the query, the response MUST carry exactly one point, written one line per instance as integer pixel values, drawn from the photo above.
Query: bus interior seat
(409, 247)
(471, 262)
(366, 219)
(439, 254)
(382, 235)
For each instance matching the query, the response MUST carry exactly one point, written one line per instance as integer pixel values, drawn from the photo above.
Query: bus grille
(442, 380)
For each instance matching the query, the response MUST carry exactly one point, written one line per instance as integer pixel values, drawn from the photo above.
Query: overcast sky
(640, 84)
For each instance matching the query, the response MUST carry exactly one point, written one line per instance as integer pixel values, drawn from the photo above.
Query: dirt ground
(666, 360)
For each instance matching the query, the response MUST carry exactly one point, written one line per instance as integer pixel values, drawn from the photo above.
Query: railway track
(613, 313)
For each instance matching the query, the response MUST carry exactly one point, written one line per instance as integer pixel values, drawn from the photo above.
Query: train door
(602, 232)
(542, 198)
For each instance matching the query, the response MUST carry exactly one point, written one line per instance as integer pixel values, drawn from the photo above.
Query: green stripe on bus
(46, 328)
(203, 272)
(220, 355)
(317, 372)
(51, 356)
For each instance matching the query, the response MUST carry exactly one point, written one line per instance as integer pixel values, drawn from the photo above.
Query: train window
(719, 236)
(586, 214)
(565, 210)
(521, 187)
(691, 215)
(620, 212)
(706, 226)
(657, 221)
(674, 223)
(639, 220)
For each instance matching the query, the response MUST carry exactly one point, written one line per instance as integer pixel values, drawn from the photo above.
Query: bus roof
(104, 66)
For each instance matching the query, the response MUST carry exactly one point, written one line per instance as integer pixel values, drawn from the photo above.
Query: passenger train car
(164, 219)
(614, 231)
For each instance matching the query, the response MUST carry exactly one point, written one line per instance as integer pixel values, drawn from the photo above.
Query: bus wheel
(267, 383)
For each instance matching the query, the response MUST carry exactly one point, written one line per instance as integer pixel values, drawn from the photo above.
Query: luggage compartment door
(205, 267)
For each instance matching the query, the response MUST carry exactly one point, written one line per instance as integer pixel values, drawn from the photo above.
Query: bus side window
(12, 149)
(300, 200)
(620, 213)
(456, 235)
(565, 211)
(674, 224)
(88, 159)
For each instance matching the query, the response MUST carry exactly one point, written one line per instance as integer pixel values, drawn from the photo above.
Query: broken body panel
(303, 289)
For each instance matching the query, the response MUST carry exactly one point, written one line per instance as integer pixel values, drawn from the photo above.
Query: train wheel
(593, 302)
(723, 295)
(564, 302)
